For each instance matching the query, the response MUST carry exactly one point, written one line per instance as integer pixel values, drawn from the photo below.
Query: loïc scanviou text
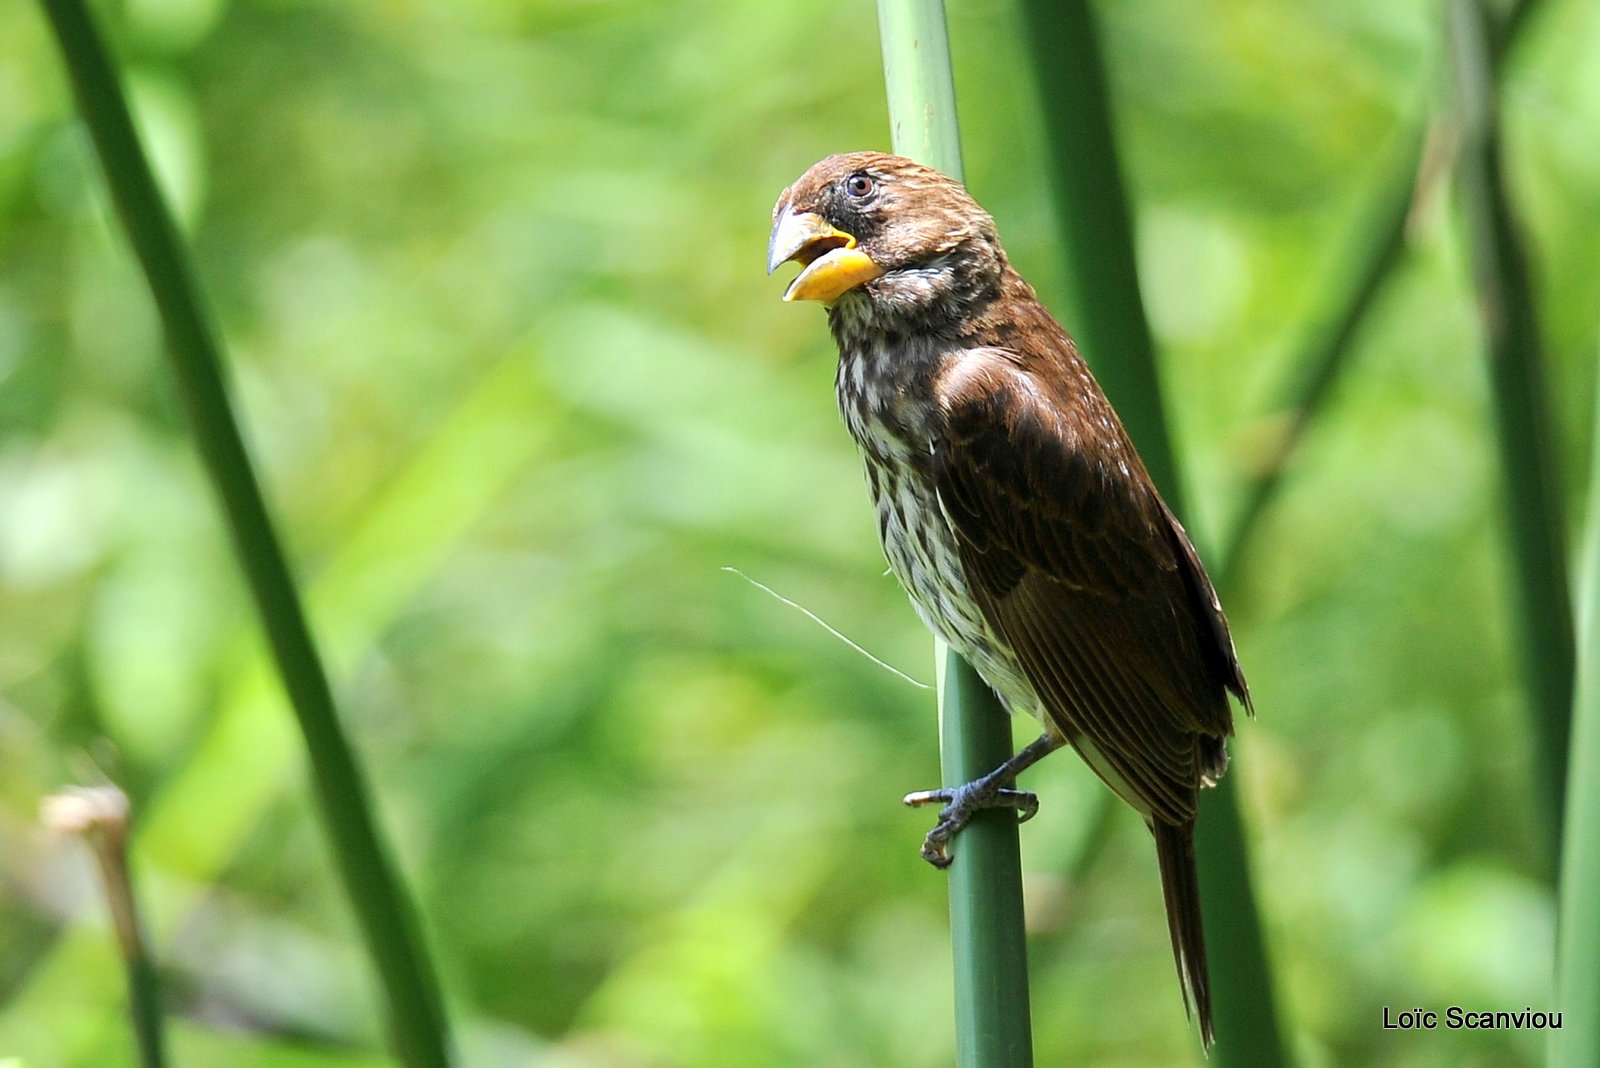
(1456, 1018)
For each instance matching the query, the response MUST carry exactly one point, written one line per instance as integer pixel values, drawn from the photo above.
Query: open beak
(833, 264)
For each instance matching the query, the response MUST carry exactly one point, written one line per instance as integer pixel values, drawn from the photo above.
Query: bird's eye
(860, 186)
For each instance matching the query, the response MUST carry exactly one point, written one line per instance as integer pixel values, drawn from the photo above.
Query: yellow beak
(833, 264)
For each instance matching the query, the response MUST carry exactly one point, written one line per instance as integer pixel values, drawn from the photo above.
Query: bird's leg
(994, 790)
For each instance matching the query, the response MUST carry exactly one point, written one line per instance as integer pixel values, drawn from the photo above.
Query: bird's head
(901, 236)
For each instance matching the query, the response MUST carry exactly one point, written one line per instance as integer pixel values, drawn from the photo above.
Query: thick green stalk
(1512, 344)
(1097, 234)
(415, 1007)
(920, 84)
(1577, 1044)
(993, 1029)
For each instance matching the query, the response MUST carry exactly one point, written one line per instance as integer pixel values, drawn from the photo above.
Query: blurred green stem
(1097, 234)
(1577, 1044)
(1376, 249)
(1512, 344)
(993, 1029)
(415, 1008)
(1377, 246)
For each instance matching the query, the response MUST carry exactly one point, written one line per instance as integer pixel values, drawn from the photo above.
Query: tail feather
(1180, 886)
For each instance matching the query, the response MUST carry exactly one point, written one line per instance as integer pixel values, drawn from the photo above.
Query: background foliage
(490, 274)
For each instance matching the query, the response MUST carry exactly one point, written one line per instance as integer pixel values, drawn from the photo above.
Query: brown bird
(1014, 509)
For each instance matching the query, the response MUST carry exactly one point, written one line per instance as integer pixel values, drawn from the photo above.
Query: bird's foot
(963, 802)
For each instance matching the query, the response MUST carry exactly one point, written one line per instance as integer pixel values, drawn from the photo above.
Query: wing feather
(1078, 564)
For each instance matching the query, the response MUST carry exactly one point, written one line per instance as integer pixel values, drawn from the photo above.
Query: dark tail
(1180, 885)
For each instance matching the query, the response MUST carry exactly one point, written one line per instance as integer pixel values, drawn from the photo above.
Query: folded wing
(1078, 564)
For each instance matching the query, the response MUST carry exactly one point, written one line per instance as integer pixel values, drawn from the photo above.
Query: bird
(1014, 509)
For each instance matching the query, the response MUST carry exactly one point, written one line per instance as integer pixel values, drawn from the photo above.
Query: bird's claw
(961, 803)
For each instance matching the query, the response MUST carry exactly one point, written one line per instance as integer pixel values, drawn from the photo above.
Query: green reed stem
(993, 1029)
(415, 1006)
(1514, 349)
(1577, 1044)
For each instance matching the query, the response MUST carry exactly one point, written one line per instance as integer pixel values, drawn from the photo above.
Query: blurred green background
(491, 278)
